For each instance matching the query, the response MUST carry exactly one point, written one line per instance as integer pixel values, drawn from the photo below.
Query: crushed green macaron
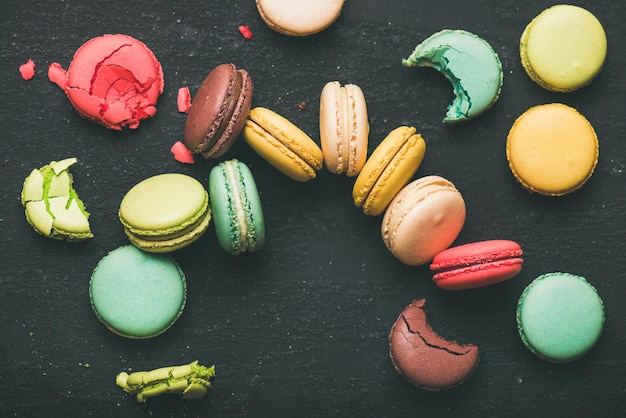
(51, 204)
(190, 380)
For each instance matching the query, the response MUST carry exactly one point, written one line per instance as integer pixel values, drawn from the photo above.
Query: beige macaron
(299, 17)
(424, 218)
(344, 128)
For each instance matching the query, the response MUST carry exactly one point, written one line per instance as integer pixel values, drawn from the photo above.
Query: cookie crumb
(27, 70)
(245, 31)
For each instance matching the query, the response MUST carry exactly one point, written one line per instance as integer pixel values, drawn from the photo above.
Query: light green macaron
(560, 317)
(52, 205)
(236, 207)
(165, 212)
(471, 65)
(137, 294)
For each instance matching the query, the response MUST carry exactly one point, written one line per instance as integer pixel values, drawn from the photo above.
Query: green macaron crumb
(52, 205)
(189, 380)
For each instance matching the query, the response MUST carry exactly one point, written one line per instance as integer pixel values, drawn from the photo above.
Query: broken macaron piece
(477, 264)
(424, 358)
(218, 111)
(114, 80)
(52, 205)
(471, 65)
(189, 380)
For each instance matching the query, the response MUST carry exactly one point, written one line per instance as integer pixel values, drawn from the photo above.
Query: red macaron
(477, 264)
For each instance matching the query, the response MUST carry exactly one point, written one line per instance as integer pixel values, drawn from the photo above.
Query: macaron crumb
(27, 70)
(181, 153)
(245, 31)
(183, 101)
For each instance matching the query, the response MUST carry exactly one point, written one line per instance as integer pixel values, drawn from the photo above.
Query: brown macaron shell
(218, 111)
(424, 358)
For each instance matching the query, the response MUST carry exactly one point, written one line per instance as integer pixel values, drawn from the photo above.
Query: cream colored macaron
(344, 128)
(299, 17)
(563, 48)
(424, 218)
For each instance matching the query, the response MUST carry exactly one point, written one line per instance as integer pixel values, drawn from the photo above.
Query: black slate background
(300, 328)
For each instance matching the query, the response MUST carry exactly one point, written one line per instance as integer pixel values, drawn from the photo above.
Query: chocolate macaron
(424, 358)
(218, 111)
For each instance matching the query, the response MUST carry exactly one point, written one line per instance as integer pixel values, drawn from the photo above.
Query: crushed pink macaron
(27, 70)
(113, 80)
(184, 99)
(245, 31)
(181, 153)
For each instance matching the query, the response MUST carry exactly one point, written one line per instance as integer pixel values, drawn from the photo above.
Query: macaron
(283, 144)
(390, 167)
(189, 380)
(469, 63)
(563, 48)
(136, 294)
(477, 264)
(344, 128)
(560, 317)
(424, 218)
(166, 212)
(424, 358)
(236, 208)
(218, 111)
(113, 80)
(302, 18)
(552, 149)
(51, 204)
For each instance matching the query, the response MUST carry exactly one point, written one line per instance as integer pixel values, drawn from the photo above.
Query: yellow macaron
(282, 144)
(552, 149)
(563, 48)
(388, 169)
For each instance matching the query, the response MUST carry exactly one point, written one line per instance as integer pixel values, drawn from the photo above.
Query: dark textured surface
(300, 328)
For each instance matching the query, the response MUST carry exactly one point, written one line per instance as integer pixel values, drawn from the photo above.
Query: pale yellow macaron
(563, 48)
(388, 169)
(282, 144)
(301, 17)
(344, 128)
(552, 149)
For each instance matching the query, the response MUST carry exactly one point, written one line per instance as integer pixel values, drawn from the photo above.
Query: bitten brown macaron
(218, 111)
(424, 358)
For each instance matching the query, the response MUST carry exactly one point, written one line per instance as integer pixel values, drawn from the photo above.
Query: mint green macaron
(137, 294)
(560, 317)
(236, 208)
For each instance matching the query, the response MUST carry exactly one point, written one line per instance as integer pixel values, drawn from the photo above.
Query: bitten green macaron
(560, 317)
(165, 212)
(236, 206)
(137, 294)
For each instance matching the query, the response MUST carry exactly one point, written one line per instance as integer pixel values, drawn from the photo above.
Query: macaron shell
(305, 17)
(344, 128)
(552, 149)
(282, 144)
(471, 65)
(392, 164)
(563, 48)
(479, 275)
(137, 294)
(560, 317)
(236, 205)
(423, 219)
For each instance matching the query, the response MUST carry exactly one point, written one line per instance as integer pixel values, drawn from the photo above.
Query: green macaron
(52, 205)
(137, 294)
(236, 207)
(165, 212)
(560, 317)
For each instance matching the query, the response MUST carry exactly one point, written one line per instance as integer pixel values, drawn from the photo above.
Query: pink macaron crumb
(245, 31)
(183, 100)
(181, 153)
(27, 70)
